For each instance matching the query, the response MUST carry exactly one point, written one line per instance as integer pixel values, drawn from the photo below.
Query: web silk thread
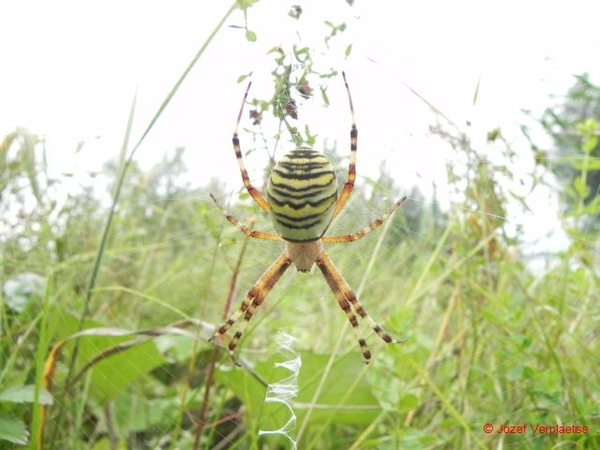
(284, 391)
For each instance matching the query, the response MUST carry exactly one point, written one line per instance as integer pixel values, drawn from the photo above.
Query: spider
(302, 200)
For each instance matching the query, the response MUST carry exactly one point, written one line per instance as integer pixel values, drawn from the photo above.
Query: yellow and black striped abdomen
(302, 192)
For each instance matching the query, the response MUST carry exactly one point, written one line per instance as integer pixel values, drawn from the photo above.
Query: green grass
(114, 348)
(487, 341)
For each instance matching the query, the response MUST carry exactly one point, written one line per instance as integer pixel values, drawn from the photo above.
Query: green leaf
(348, 50)
(588, 130)
(25, 394)
(325, 96)
(243, 77)
(116, 372)
(113, 375)
(13, 430)
(590, 144)
(250, 36)
(245, 4)
(407, 403)
(590, 163)
(345, 396)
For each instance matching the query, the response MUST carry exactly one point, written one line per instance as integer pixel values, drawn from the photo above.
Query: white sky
(69, 71)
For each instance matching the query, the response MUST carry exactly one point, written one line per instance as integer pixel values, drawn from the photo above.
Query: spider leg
(343, 302)
(256, 295)
(349, 186)
(345, 298)
(366, 230)
(244, 229)
(254, 193)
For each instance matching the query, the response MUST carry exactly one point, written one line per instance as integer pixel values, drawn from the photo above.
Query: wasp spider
(302, 200)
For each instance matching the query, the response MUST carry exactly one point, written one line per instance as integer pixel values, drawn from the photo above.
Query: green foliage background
(488, 341)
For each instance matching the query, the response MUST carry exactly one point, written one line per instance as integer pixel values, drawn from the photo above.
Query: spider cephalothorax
(302, 200)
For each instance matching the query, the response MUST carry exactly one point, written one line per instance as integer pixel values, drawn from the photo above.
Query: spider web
(475, 270)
